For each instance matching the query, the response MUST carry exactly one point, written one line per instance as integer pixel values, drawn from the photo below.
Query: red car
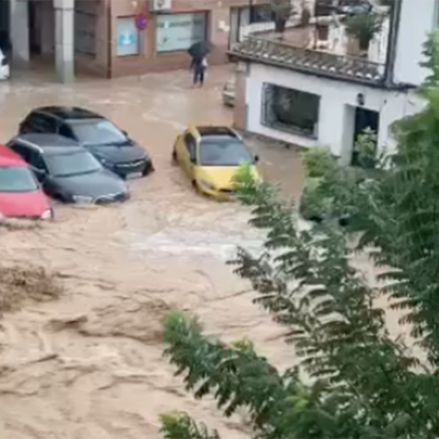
(21, 195)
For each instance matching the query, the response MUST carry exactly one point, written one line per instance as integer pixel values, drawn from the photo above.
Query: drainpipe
(109, 41)
(392, 44)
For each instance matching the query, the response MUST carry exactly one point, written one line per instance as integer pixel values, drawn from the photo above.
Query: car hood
(96, 184)
(24, 204)
(119, 154)
(221, 176)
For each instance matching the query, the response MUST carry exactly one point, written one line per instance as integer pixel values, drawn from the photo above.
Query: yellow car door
(188, 153)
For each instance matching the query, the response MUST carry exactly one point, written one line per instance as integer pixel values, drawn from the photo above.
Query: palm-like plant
(364, 27)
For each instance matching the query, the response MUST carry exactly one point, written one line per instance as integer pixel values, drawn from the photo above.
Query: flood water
(90, 365)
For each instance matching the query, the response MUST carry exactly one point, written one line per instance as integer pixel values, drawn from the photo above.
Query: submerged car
(67, 171)
(210, 157)
(110, 145)
(21, 195)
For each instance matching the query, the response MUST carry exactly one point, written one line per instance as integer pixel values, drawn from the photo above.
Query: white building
(309, 97)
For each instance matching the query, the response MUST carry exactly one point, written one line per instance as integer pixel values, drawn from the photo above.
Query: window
(76, 163)
(16, 179)
(85, 33)
(191, 145)
(224, 151)
(66, 131)
(35, 160)
(261, 14)
(128, 38)
(100, 132)
(21, 150)
(290, 110)
(41, 123)
(175, 32)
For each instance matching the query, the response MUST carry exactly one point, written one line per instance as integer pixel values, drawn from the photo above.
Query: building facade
(113, 38)
(317, 97)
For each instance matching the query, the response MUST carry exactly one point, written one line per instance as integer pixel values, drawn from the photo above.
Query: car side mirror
(256, 158)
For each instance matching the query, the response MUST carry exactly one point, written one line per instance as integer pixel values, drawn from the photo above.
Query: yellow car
(210, 156)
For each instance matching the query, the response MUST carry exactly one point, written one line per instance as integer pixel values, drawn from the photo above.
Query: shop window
(290, 110)
(177, 32)
(128, 37)
(85, 33)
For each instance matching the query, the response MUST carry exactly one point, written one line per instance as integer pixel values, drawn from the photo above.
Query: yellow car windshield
(224, 151)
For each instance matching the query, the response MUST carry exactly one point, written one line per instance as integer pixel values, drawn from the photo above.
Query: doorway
(364, 119)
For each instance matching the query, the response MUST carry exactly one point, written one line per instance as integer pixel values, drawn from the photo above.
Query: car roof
(208, 131)
(50, 144)
(68, 113)
(10, 158)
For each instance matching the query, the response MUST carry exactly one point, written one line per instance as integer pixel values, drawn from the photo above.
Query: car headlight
(207, 184)
(82, 199)
(47, 214)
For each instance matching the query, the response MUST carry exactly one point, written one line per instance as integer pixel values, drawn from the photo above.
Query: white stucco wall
(418, 18)
(336, 107)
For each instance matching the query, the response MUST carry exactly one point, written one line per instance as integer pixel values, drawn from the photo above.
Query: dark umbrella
(199, 50)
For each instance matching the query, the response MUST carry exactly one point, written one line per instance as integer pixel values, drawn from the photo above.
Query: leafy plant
(361, 382)
(282, 11)
(364, 27)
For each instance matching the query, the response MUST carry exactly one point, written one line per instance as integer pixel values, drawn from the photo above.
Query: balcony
(323, 47)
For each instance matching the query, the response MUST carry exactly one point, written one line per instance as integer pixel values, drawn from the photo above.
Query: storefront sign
(176, 32)
(127, 37)
(141, 21)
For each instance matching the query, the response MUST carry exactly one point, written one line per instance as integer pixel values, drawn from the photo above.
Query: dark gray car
(67, 171)
(110, 145)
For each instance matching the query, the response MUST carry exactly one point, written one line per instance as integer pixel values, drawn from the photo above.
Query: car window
(17, 179)
(66, 131)
(98, 132)
(21, 150)
(41, 123)
(35, 160)
(190, 144)
(224, 152)
(75, 163)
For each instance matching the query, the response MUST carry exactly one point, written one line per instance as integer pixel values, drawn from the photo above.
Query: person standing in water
(199, 65)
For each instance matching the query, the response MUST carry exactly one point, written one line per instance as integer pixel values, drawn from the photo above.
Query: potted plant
(282, 10)
(364, 27)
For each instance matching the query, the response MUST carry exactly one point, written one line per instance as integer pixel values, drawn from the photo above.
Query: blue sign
(127, 39)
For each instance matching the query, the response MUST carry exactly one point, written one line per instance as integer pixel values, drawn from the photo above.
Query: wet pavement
(90, 364)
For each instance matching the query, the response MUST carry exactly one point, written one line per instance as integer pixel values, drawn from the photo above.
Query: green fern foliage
(351, 379)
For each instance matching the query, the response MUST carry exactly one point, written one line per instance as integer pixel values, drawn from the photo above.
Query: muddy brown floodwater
(89, 365)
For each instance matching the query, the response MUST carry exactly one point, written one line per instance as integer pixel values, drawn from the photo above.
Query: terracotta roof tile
(309, 61)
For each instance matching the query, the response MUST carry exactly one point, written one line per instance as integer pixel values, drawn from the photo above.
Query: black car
(110, 145)
(67, 171)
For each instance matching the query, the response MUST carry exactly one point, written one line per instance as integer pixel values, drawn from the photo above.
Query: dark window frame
(261, 14)
(271, 99)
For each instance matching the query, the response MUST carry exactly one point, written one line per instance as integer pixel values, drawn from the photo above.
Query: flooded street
(90, 365)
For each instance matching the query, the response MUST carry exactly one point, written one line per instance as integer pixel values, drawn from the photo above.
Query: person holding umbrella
(198, 53)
